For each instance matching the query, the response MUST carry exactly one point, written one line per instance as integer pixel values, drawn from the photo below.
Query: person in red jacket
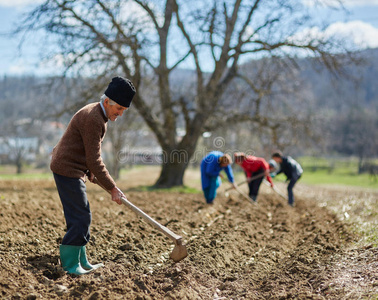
(255, 168)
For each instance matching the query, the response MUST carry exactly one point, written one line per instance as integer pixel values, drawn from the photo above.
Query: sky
(360, 24)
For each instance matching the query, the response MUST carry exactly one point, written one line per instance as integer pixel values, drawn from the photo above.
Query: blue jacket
(211, 168)
(291, 168)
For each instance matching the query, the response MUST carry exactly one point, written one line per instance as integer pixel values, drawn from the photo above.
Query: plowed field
(237, 250)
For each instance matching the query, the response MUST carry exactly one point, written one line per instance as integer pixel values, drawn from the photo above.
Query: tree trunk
(360, 163)
(176, 157)
(19, 166)
(171, 175)
(115, 167)
(173, 165)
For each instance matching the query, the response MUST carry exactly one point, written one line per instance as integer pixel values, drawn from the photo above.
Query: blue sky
(360, 25)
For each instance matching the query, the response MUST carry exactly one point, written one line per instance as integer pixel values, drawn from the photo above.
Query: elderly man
(78, 155)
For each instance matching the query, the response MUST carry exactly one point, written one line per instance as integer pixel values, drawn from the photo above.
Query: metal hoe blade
(179, 252)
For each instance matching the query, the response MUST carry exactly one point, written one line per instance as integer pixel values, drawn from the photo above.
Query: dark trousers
(72, 193)
(254, 185)
(290, 187)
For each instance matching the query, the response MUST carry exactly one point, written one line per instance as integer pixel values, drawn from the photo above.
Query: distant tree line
(341, 113)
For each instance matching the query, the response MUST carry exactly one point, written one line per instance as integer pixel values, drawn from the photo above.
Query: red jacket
(253, 164)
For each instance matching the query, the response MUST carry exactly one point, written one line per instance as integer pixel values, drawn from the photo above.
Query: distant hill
(360, 88)
(36, 97)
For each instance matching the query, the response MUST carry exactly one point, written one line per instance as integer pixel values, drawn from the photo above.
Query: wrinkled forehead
(120, 107)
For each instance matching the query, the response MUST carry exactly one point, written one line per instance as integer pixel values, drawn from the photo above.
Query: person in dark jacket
(292, 169)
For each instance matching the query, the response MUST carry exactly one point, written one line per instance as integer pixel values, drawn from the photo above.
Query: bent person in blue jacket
(211, 166)
(292, 169)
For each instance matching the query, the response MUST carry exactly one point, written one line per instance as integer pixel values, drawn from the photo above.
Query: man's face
(113, 111)
(277, 159)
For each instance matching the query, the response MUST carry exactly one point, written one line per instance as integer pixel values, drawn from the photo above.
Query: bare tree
(17, 150)
(147, 41)
(19, 143)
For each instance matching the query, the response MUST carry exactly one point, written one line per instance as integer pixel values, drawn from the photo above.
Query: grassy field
(335, 172)
(9, 173)
(317, 171)
(322, 177)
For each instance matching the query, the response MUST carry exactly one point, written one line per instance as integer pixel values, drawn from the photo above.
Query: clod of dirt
(60, 289)
(125, 247)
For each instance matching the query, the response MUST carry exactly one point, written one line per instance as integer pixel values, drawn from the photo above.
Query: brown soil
(237, 250)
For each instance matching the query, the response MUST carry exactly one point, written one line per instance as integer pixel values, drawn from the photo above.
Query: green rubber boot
(69, 256)
(84, 261)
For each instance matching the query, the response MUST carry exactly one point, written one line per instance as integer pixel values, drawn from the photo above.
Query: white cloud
(360, 34)
(19, 3)
(336, 3)
(20, 68)
(360, 2)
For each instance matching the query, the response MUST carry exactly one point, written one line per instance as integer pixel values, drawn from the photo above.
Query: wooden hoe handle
(252, 178)
(176, 238)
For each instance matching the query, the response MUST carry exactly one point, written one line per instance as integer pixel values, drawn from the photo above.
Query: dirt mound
(237, 250)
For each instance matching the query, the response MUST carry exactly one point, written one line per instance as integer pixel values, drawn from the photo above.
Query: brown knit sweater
(79, 149)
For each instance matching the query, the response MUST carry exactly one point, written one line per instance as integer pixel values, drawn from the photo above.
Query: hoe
(179, 252)
(245, 181)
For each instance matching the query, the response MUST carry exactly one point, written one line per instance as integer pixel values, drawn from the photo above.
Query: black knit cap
(121, 91)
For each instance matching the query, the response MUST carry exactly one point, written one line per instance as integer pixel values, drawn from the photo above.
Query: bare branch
(212, 30)
(149, 11)
(192, 47)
